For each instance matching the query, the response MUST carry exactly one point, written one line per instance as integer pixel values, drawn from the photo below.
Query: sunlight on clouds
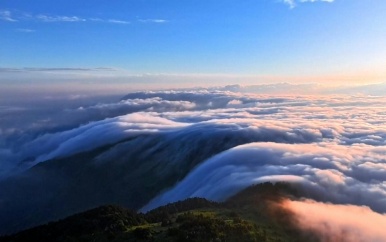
(338, 222)
(207, 142)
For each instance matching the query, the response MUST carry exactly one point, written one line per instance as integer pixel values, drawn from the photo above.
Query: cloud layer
(339, 120)
(199, 142)
(325, 171)
(338, 222)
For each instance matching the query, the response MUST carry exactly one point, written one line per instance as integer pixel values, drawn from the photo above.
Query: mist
(333, 222)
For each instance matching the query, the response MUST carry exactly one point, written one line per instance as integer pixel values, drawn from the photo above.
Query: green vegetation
(244, 217)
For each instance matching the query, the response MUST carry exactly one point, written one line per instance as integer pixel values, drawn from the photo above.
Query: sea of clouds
(333, 146)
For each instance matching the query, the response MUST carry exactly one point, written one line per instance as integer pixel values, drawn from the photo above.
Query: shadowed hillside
(247, 216)
(112, 174)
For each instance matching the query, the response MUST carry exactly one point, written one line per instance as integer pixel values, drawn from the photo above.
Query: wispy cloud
(6, 15)
(312, 1)
(158, 21)
(293, 3)
(48, 18)
(111, 21)
(116, 21)
(25, 30)
(61, 69)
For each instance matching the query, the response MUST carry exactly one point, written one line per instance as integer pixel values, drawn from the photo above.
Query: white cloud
(335, 142)
(293, 3)
(312, 1)
(332, 147)
(48, 18)
(116, 21)
(158, 21)
(6, 15)
(323, 170)
(112, 21)
(338, 222)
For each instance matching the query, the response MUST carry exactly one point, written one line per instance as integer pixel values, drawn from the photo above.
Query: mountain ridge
(244, 216)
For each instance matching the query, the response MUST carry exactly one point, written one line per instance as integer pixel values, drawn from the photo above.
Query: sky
(166, 43)
(57, 57)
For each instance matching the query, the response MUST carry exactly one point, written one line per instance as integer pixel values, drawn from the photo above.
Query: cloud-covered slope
(325, 172)
(192, 143)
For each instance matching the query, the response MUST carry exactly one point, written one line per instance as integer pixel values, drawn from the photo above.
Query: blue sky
(264, 40)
